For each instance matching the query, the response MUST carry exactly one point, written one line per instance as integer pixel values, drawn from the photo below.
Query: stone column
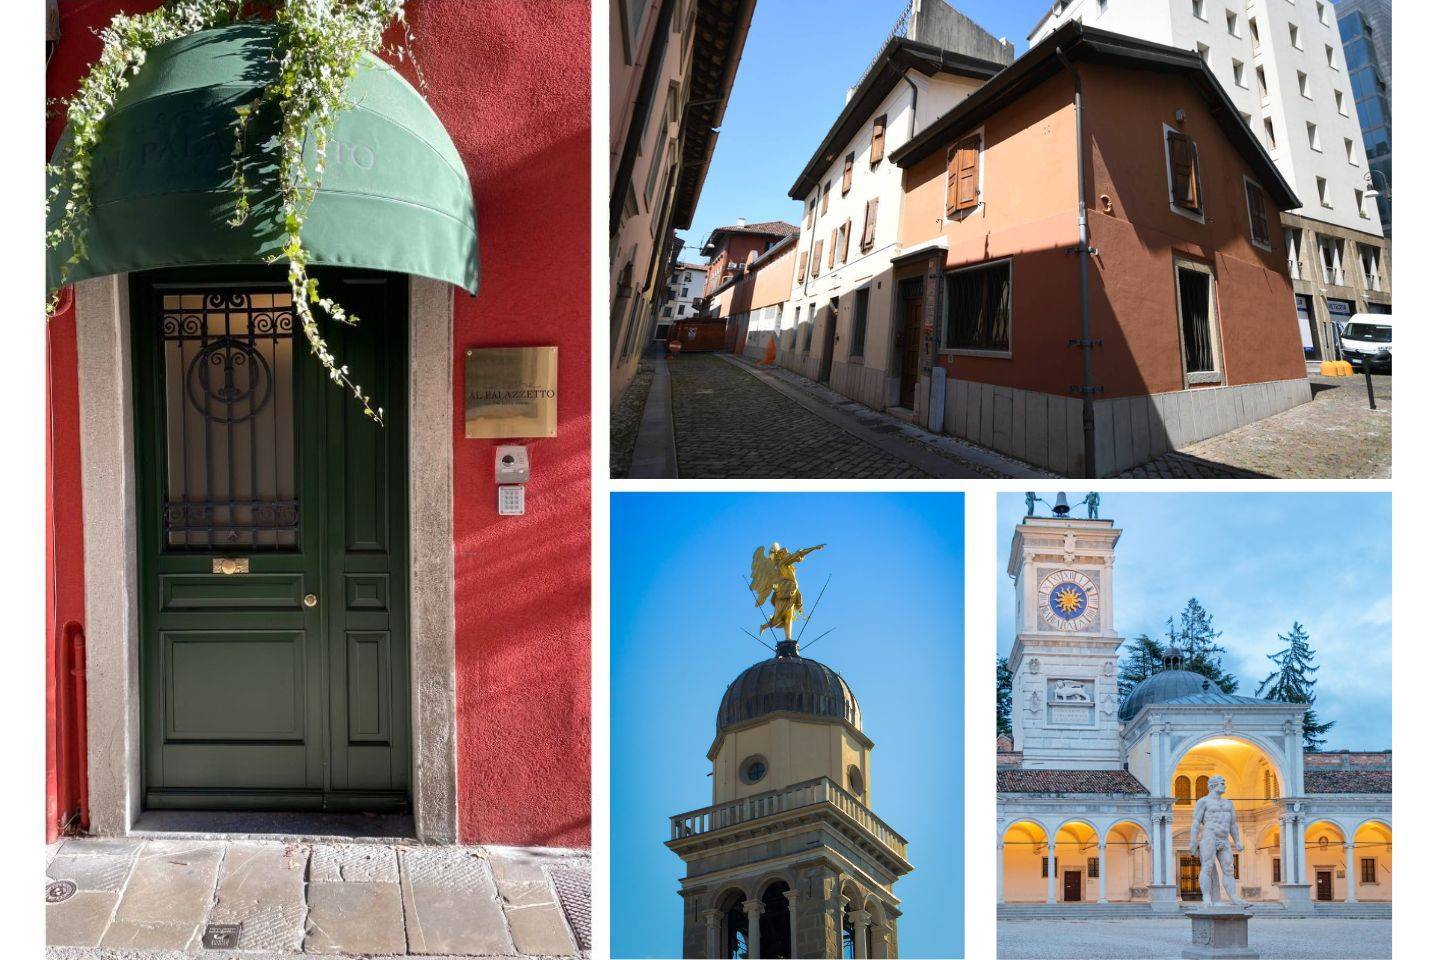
(1350, 880)
(1302, 872)
(1000, 871)
(793, 898)
(1104, 898)
(1050, 871)
(1163, 894)
(753, 909)
(860, 920)
(712, 933)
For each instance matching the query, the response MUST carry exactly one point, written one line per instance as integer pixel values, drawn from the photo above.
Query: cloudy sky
(1258, 562)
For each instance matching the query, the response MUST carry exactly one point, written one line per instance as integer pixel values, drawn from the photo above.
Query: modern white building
(687, 280)
(934, 58)
(1282, 62)
(1096, 793)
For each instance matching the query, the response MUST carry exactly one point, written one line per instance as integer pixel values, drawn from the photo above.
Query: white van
(1367, 335)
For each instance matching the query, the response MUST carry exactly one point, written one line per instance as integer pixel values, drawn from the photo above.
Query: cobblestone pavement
(625, 415)
(1336, 436)
(1275, 938)
(157, 898)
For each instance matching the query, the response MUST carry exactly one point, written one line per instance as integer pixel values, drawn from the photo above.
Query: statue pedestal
(1296, 897)
(1163, 898)
(1220, 930)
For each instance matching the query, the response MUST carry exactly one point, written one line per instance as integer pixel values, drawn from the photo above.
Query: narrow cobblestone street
(157, 898)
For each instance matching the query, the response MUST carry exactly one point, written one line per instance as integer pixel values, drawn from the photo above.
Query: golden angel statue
(772, 577)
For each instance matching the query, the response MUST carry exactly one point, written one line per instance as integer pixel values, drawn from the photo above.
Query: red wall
(511, 82)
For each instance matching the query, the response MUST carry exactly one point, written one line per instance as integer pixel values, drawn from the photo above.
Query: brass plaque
(230, 565)
(510, 392)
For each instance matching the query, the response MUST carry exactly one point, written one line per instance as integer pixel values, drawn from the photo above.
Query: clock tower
(1065, 699)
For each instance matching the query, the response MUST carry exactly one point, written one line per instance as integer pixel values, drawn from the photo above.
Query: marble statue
(1213, 830)
(772, 577)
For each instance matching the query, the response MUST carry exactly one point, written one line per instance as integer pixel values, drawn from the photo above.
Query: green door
(273, 546)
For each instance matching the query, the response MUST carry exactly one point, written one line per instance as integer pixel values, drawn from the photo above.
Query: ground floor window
(1195, 293)
(1045, 867)
(1092, 868)
(1274, 869)
(862, 316)
(1367, 870)
(977, 308)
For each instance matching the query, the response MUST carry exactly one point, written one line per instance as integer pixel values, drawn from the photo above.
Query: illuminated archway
(1268, 858)
(1325, 861)
(1023, 863)
(1127, 863)
(1371, 861)
(1077, 862)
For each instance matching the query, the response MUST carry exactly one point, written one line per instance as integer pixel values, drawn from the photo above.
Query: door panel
(1072, 886)
(912, 308)
(250, 461)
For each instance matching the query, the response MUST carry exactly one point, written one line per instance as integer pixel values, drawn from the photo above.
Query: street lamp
(1370, 192)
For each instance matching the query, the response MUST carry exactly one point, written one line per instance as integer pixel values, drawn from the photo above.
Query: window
(1092, 868)
(1292, 252)
(1350, 152)
(1304, 80)
(877, 140)
(804, 262)
(1197, 7)
(1232, 23)
(962, 176)
(834, 243)
(1045, 865)
(665, 312)
(1295, 37)
(849, 173)
(1332, 260)
(815, 254)
(1182, 791)
(1260, 79)
(1340, 103)
(1330, 59)
(844, 245)
(1270, 134)
(1202, 786)
(1322, 189)
(1369, 265)
(810, 214)
(1274, 869)
(1254, 36)
(825, 199)
(1322, 12)
(862, 319)
(867, 233)
(809, 328)
(1312, 136)
(1237, 69)
(1259, 215)
(1195, 294)
(977, 308)
(1360, 205)
(1204, 52)
(1183, 161)
(1367, 870)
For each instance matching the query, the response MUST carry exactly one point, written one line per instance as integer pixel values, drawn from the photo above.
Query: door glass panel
(228, 369)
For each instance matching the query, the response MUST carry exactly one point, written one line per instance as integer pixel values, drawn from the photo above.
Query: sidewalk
(161, 898)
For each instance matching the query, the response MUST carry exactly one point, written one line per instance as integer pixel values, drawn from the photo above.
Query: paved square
(1162, 939)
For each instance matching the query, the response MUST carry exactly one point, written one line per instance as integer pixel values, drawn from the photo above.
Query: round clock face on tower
(1068, 601)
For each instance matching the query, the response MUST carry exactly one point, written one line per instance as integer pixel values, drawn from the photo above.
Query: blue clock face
(1068, 601)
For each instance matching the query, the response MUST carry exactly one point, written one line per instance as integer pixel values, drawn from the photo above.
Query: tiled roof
(770, 228)
(1068, 781)
(1347, 781)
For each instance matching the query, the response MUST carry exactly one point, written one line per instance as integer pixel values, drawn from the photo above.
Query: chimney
(740, 222)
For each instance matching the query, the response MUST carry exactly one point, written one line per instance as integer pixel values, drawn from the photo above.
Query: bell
(1061, 508)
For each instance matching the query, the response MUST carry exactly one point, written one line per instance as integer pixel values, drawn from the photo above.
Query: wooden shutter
(1183, 180)
(825, 200)
(849, 173)
(968, 166)
(867, 236)
(834, 235)
(1259, 220)
(877, 140)
(804, 262)
(815, 258)
(845, 241)
(952, 181)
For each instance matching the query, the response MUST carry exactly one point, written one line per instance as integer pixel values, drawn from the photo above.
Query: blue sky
(800, 58)
(678, 608)
(1258, 562)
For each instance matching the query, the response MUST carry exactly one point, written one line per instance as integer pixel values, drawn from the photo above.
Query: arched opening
(1325, 861)
(1253, 785)
(847, 938)
(1182, 791)
(736, 943)
(1267, 853)
(775, 922)
(1372, 862)
(1126, 862)
(1077, 863)
(1024, 863)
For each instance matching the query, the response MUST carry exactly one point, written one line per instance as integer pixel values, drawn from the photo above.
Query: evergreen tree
(1003, 677)
(1293, 681)
(1196, 637)
(1144, 656)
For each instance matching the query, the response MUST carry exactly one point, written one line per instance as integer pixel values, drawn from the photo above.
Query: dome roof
(787, 683)
(1163, 687)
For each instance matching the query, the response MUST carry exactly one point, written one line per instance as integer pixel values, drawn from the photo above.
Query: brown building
(666, 107)
(1179, 322)
(752, 303)
(730, 249)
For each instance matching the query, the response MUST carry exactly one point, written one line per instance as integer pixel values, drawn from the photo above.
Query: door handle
(311, 600)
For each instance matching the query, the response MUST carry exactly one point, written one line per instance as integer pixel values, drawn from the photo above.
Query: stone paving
(1334, 436)
(147, 897)
(1162, 939)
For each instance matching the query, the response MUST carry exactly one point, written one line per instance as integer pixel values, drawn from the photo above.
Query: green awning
(395, 195)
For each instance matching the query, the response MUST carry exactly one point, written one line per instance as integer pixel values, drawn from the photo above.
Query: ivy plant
(319, 46)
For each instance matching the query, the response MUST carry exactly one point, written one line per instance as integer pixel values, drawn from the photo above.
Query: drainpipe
(1087, 388)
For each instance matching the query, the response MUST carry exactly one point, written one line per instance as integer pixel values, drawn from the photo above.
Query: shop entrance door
(912, 305)
(1324, 885)
(274, 656)
(1072, 886)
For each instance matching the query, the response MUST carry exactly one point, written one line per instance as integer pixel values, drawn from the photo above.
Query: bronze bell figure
(1061, 508)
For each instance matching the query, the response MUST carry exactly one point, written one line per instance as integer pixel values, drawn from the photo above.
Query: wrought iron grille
(228, 369)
